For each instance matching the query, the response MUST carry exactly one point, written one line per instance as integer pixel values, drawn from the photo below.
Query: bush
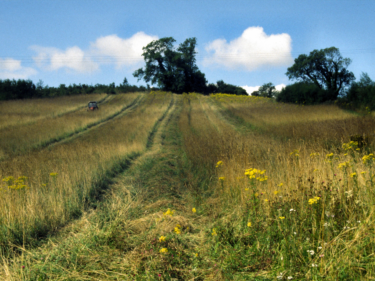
(303, 93)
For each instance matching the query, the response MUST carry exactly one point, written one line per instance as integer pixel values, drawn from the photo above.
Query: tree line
(25, 89)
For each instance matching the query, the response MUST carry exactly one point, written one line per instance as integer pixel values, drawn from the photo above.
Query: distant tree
(172, 70)
(361, 93)
(325, 68)
(223, 87)
(302, 93)
(267, 90)
(255, 94)
(125, 82)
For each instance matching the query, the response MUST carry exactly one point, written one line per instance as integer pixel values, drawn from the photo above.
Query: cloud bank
(109, 49)
(13, 69)
(252, 50)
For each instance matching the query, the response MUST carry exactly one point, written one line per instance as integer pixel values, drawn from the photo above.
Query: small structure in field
(93, 105)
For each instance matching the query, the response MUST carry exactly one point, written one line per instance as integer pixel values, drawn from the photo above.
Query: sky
(245, 43)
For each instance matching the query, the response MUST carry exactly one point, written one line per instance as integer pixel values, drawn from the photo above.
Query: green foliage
(361, 94)
(172, 70)
(325, 68)
(302, 93)
(268, 90)
(25, 89)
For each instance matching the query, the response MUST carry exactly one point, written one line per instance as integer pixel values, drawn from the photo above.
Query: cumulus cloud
(252, 50)
(72, 58)
(109, 49)
(13, 69)
(250, 89)
(121, 52)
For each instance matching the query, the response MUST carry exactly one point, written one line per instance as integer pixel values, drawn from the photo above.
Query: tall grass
(300, 210)
(21, 138)
(62, 180)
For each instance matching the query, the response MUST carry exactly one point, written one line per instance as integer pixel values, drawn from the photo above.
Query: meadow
(192, 187)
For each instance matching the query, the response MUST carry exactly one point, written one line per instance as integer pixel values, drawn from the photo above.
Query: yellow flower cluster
(218, 164)
(314, 155)
(194, 210)
(169, 213)
(314, 200)
(329, 157)
(221, 178)
(344, 165)
(162, 238)
(350, 145)
(214, 232)
(53, 174)
(352, 175)
(177, 229)
(295, 153)
(256, 174)
(163, 251)
(15, 184)
(368, 158)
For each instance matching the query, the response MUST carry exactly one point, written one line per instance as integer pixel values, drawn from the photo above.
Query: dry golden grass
(21, 138)
(17, 112)
(49, 201)
(270, 226)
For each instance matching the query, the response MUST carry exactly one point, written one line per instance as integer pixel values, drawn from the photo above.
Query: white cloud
(12, 69)
(252, 50)
(121, 52)
(250, 89)
(109, 49)
(72, 58)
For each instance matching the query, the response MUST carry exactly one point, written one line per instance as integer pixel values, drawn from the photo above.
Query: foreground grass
(212, 201)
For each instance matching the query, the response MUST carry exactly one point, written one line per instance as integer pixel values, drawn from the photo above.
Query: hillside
(159, 186)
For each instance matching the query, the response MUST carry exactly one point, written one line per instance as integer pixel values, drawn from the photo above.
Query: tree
(268, 90)
(172, 70)
(325, 68)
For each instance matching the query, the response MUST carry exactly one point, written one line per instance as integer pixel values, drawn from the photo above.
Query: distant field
(190, 187)
(17, 112)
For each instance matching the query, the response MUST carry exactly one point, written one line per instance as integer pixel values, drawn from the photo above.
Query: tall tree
(325, 68)
(172, 70)
(267, 90)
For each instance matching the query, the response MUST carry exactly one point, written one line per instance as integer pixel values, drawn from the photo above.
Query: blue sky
(245, 43)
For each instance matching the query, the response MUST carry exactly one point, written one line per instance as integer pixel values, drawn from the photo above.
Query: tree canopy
(170, 69)
(267, 90)
(325, 68)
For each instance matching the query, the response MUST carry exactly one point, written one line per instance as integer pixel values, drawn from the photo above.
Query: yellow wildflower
(266, 200)
(163, 250)
(276, 192)
(168, 212)
(194, 210)
(249, 224)
(218, 164)
(214, 232)
(221, 178)
(281, 218)
(162, 238)
(196, 255)
(353, 175)
(53, 174)
(280, 184)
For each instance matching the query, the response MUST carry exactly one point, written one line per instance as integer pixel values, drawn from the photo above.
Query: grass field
(191, 187)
